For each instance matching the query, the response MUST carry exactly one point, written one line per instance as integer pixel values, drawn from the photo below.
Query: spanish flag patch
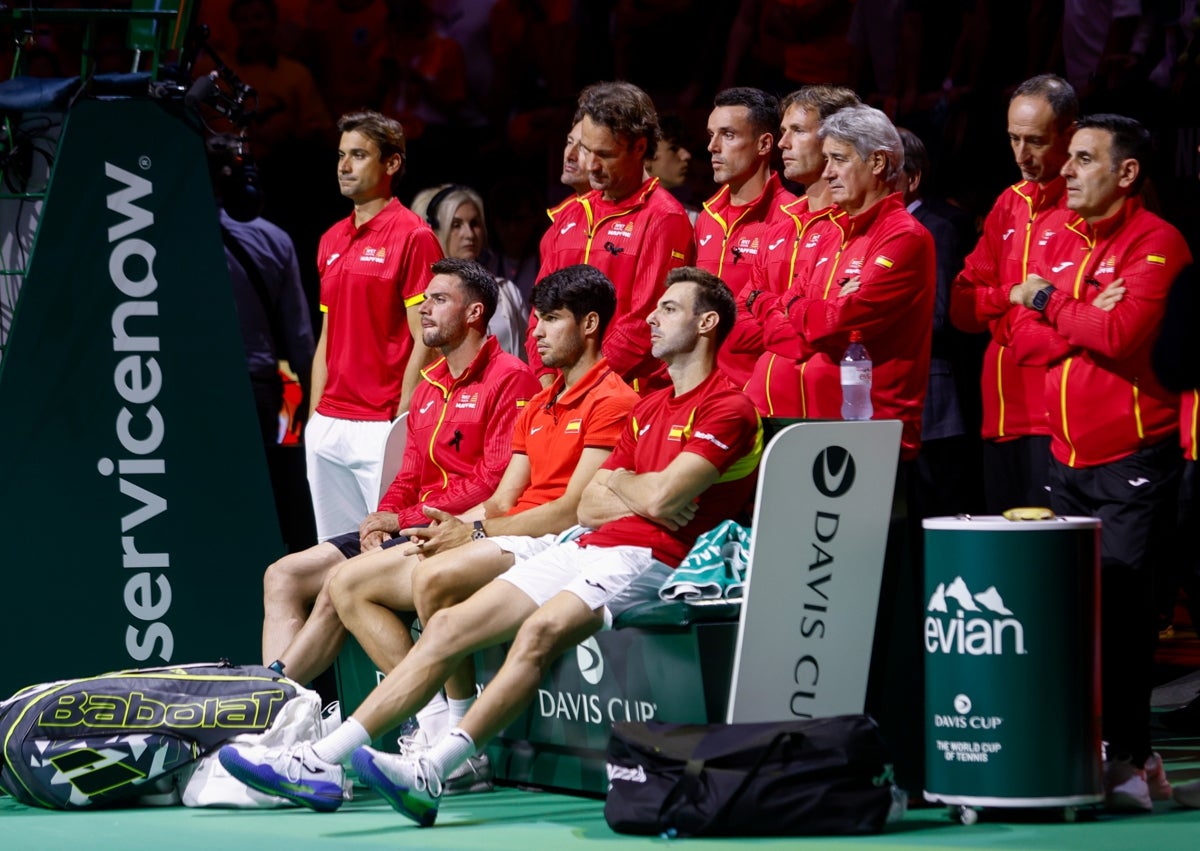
(676, 432)
(521, 403)
(885, 262)
(1156, 259)
(573, 426)
(676, 255)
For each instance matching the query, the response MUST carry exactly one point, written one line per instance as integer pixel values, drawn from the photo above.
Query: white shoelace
(425, 779)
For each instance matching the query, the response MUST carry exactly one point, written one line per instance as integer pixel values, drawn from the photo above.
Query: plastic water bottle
(856, 380)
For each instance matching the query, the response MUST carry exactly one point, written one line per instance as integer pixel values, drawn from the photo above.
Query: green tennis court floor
(518, 820)
(512, 819)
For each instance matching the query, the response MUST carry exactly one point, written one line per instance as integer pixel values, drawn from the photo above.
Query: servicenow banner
(136, 515)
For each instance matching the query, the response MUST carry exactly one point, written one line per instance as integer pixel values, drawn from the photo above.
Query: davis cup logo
(833, 471)
(591, 663)
(973, 636)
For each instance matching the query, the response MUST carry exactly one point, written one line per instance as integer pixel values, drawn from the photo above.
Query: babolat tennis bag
(105, 740)
(794, 778)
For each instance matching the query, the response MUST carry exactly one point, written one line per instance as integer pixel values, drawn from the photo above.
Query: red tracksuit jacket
(809, 326)
(1104, 400)
(1022, 222)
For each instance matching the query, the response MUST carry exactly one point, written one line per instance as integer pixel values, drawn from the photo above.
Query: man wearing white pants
(374, 267)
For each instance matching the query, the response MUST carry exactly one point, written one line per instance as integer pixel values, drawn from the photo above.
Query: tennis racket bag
(112, 738)
(792, 778)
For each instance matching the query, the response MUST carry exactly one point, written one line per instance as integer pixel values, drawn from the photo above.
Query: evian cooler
(1012, 650)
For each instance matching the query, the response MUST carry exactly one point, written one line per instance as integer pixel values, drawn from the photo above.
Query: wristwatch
(478, 534)
(1041, 298)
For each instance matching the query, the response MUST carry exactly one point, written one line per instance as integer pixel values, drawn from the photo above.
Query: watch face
(1040, 298)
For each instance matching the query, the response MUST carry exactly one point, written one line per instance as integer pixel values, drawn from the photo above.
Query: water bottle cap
(856, 336)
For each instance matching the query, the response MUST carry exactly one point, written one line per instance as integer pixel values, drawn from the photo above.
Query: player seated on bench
(561, 438)
(687, 458)
(459, 443)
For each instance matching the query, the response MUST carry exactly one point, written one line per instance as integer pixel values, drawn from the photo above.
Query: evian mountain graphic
(975, 625)
(961, 594)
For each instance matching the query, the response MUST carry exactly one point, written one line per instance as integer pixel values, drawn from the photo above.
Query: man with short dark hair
(730, 229)
(773, 268)
(629, 227)
(1094, 302)
(374, 267)
(687, 457)
(458, 445)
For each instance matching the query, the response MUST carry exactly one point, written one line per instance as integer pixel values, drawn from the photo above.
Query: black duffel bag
(830, 776)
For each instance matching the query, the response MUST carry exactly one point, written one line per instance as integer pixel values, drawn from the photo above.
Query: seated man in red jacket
(459, 443)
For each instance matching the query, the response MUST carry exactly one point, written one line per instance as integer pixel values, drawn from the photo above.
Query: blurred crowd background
(486, 89)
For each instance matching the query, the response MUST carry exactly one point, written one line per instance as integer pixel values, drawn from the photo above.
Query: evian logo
(833, 471)
(591, 662)
(973, 636)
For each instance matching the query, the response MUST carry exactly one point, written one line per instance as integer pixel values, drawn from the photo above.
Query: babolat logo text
(973, 636)
(833, 471)
(621, 772)
(135, 711)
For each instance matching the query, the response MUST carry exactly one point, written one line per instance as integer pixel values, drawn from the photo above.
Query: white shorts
(611, 579)
(345, 461)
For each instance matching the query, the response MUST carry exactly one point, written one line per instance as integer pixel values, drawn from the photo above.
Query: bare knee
(538, 642)
(298, 577)
(434, 590)
(280, 580)
(441, 633)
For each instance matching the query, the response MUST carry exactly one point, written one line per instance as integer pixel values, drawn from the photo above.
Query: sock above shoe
(345, 740)
(451, 751)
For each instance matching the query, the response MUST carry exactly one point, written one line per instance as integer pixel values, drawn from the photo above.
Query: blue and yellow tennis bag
(113, 738)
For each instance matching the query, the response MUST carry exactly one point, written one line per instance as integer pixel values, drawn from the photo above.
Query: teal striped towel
(715, 569)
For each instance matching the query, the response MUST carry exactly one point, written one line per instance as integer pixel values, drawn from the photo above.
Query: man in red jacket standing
(868, 267)
(731, 226)
(1015, 431)
(774, 266)
(1114, 429)
(628, 227)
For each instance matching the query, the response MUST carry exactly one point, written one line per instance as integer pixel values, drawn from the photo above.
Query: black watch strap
(1041, 298)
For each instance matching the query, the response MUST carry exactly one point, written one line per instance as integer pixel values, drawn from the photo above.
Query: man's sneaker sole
(324, 797)
(397, 796)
